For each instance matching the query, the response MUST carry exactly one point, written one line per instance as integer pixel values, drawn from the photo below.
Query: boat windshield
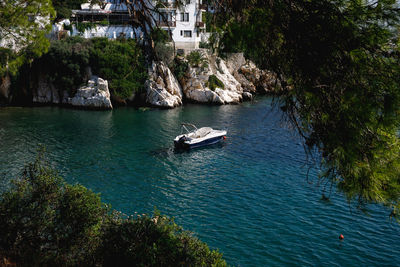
(185, 127)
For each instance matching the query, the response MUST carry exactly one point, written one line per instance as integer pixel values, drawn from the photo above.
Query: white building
(185, 23)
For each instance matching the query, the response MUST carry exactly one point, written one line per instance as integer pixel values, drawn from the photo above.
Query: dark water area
(249, 197)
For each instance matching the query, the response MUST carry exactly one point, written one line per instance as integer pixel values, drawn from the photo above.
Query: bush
(179, 68)
(156, 241)
(196, 59)
(63, 8)
(121, 62)
(83, 26)
(214, 82)
(205, 45)
(65, 64)
(160, 36)
(46, 222)
(164, 53)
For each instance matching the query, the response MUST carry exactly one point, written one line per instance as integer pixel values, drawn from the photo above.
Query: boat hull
(206, 142)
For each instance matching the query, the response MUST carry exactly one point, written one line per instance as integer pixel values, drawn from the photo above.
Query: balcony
(202, 6)
(171, 24)
(200, 24)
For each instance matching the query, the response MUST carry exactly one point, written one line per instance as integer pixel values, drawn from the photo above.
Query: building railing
(200, 24)
(166, 23)
(202, 6)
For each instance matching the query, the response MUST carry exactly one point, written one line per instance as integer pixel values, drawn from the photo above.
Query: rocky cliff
(196, 82)
(162, 88)
(215, 81)
(93, 95)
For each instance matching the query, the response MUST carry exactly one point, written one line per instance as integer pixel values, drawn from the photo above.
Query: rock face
(46, 93)
(263, 81)
(94, 95)
(195, 83)
(5, 83)
(252, 79)
(162, 88)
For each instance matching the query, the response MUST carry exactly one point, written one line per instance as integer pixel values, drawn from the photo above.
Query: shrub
(205, 45)
(46, 222)
(156, 241)
(83, 26)
(65, 64)
(160, 36)
(63, 8)
(164, 52)
(179, 68)
(214, 82)
(120, 62)
(196, 59)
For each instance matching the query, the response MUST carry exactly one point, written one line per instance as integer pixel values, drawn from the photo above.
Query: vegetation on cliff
(47, 222)
(67, 63)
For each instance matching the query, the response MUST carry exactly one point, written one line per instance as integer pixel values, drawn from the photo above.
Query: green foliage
(120, 62)
(164, 52)
(67, 27)
(83, 26)
(196, 59)
(46, 222)
(156, 241)
(66, 62)
(160, 36)
(214, 82)
(104, 22)
(340, 60)
(204, 45)
(63, 8)
(179, 68)
(23, 27)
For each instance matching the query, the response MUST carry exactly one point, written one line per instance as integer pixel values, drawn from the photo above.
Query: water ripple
(248, 197)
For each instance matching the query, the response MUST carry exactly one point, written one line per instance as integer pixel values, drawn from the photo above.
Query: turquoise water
(248, 197)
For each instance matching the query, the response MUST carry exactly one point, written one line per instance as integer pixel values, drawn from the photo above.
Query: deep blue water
(248, 197)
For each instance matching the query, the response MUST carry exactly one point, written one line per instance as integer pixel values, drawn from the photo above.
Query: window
(187, 34)
(184, 16)
(168, 16)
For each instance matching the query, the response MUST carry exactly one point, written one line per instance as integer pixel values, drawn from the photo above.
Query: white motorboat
(198, 137)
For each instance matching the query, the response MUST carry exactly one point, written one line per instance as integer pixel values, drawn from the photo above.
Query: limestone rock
(5, 84)
(195, 83)
(234, 61)
(46, 93)
(264, 81)
(246, 84)
(162, 88)
(93, 95)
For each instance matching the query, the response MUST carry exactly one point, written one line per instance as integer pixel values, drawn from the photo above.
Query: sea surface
(250, 197)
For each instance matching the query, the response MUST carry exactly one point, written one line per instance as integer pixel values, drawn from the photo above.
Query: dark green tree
(47, 222)
(23, 25)
(339, 63)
